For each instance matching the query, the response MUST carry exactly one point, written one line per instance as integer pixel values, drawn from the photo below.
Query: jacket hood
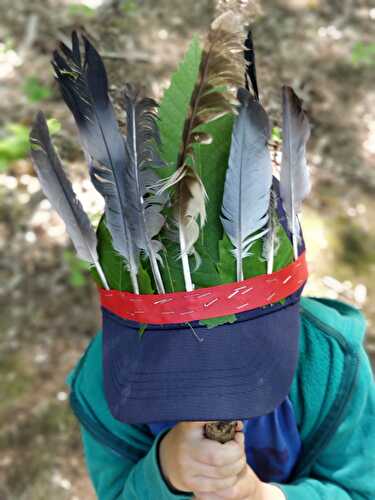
(341, 316)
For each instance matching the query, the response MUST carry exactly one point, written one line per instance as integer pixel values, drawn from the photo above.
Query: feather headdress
(123, 166)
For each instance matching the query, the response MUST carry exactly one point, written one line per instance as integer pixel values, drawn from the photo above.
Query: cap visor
(236, 371)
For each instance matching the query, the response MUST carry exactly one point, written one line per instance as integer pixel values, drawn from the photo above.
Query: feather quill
(295, 182)
(142, 141)
(270, 241)
(220, 70)
(59, 191)
(84, 88)
(246, 200)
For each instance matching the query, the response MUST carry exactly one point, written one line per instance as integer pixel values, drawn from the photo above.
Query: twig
(131, 57)
(31, 32)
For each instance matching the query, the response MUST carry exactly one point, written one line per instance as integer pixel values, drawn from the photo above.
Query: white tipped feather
(59, 191)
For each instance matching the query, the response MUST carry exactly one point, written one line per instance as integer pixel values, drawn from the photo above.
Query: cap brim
(236, 371)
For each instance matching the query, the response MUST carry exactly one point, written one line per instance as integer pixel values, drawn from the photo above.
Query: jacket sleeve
(345, 469)
(117, 478)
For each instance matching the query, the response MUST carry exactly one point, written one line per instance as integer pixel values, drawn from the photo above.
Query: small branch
(131, 57)
(31, 32)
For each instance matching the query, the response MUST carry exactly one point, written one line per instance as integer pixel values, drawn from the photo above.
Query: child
(227, 338)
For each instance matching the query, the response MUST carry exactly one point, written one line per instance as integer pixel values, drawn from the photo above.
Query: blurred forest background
(49, 308)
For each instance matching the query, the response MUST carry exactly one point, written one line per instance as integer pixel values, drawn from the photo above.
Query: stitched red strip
(205, 303)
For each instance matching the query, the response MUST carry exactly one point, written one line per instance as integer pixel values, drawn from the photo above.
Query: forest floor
(323, 49)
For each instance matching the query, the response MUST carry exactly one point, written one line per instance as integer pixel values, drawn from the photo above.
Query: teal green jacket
(333, 397)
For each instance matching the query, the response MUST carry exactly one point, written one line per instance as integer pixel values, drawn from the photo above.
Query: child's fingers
(217, 454)
(212, 472)
(240, 439)
(209, 485)
(240, 425)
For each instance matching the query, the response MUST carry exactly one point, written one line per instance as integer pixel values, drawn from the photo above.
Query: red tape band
(205, 303)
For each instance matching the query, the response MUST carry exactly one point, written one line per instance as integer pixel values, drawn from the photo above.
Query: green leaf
(175, 105)
(14, 145)
(363, 53)
(142, 329)
(54, 126)
(277, 134)
(130, 7)
(212, 164)
(81, 10)
(223, 320)
(227, 263)
(34, 90)
(77, 269)
(285, 255)
(114, 266)
(171, 270)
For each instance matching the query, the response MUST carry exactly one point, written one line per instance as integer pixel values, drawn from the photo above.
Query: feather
(246, 200)
(220, 70)
(85, 91)
(58, 189)
(294, 175)
(271, 242)
(251, 73)
(142, 141)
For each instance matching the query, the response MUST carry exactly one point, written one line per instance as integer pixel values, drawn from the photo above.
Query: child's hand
(192, 463)
(247, 487)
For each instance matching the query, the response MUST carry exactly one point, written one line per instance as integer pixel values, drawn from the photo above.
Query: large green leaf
(114, 266)
(175, 105)
(211, 164)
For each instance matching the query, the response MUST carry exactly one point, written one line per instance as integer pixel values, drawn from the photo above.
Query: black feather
(251, 73)
(84, 87)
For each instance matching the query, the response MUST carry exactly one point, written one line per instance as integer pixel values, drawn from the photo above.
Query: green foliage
(15, 144)
(35, 91)
(285, 255)
(212, 163)
(175, 104)
(81, 10)
(114, 266)
(54, 126)
(223, 320)
(277, 135)
(129, 7)
(77, 269)
(254, 265)
(363, 54)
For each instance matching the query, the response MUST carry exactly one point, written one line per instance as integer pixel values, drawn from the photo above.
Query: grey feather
(59, 191)
(246, 200)
(85, 90)
(141, 180)
(294, 176)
